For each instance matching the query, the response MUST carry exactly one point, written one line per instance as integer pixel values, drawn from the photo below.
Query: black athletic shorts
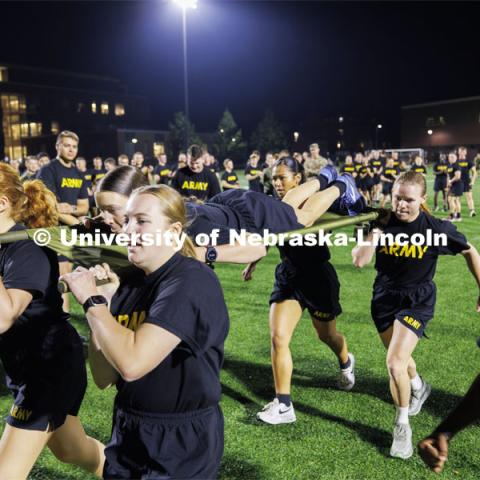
(413, 307)
(466, 186)
(387, 188)
(440, 184)
(318, 292)
(55, 384)
(165, 446)
(456, 189)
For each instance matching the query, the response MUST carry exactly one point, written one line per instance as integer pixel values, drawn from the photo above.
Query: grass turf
(337, 435)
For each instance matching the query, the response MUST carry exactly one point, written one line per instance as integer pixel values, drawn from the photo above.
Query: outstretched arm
(362, 254)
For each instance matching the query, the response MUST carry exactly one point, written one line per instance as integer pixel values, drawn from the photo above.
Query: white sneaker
(436, 209)
(346, 380)
(418, 398)
(275, 413)
(402, 441)
(473, 213)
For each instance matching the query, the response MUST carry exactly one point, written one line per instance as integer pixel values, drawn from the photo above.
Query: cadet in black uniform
(455, 187)
(245, 210)
(162, 173)
(388, 176)
(366, 180)
(418, 166)
(348, 167)
(467, 167)
(441, 179)
(229, 178)
(161, 343)
(69, 186)
(404, 294)
(377, 164)
(254, 173)
(41, 353)
(297, 281)
(194, 179)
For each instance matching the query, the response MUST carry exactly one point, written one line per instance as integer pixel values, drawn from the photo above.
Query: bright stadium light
(295, 136)
(187, 3)
(134, 140)
(430, 132)
(340, 119)
(379, 126)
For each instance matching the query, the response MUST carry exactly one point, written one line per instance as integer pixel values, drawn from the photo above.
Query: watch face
(98, 300)
(211, 254)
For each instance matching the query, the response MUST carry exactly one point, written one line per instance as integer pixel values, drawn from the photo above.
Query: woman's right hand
(247, 274)
(103, 272)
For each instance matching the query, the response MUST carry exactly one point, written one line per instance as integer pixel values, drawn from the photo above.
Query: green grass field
(337, 435)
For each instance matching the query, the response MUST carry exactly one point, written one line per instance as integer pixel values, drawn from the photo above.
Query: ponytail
(40, 208)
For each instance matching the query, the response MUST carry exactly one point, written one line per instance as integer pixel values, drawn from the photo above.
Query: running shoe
(329, 172)
(402, 441)
(352, 201)
(346, 380)
(418, 398)
(276, 413)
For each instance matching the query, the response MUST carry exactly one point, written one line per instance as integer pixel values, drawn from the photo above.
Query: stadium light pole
(185, 5)
(377, 128)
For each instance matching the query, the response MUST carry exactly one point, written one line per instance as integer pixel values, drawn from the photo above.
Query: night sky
(298, 58)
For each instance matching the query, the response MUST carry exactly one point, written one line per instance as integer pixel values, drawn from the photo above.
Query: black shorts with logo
(319, 292)
(387, 188)
(456, 189)
(163, 446)
(54, 386)
(413, 307)
(466, 186)
(440, 183)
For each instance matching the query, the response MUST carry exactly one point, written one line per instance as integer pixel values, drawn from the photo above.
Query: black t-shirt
(26, 266)
(230, 177)
(97, 174)
(391, 173)
(465, 167)
(184, 297)
(214, 167)
(68, 184)
(256, 184)
(348, 169)
(440, 168)
(163, 172)
(452, 169)
(205, 218)
(419, 169)
(304, 259)
(203, 185)
(409, 265)
(377, 165)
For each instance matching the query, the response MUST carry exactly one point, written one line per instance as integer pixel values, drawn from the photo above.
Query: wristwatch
(211, 255)
(94, 301)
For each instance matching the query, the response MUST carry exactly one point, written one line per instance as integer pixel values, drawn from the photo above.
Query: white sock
(416, 382)
(402, 415)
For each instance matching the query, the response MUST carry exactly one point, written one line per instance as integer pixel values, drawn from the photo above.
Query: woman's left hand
(81, 283)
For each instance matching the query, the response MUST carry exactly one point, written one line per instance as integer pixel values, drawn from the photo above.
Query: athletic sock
(402, 415)
(284, 398)
(341, 186)
(323, 182)
(347, 364)
(416, 382)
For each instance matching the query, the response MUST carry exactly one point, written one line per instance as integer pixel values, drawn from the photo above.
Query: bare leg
(19, 450)
(328, 334)
(316, 206)
(298, 195)
(470, 204)
(70, 444)
(402, 344)
(284, 317)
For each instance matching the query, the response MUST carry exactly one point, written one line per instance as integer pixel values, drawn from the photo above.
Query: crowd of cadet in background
(455, 173)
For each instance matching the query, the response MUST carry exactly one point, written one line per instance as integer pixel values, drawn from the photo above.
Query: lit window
(24, 129)
(14, 104)
(55, 128)
(119, 110)
(104, 108)
(94, 107)
(3, 74)
(17, 152)
(23, 104)
(35, 129)
(441, 120)
(80, 107)
(16, 132)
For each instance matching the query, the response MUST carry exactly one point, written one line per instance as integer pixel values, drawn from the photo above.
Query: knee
(279, 340)
(396, 366)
